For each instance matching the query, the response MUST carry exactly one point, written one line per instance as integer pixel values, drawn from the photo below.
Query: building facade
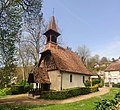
(112, 72)
(59, 68)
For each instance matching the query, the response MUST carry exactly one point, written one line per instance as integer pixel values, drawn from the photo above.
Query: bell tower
(52, 32)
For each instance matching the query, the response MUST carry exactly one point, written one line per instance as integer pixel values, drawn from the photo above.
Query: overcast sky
(94, 23)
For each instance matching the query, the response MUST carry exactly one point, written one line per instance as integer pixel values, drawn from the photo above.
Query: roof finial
(53, 11)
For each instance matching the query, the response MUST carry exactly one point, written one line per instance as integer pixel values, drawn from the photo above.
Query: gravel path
(25, 100)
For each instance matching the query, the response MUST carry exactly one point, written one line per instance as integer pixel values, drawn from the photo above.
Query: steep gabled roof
(115, 66)
(40, 75)
(66, 60)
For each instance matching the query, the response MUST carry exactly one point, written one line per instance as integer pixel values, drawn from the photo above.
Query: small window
(89, 78)
(47, 61)
(83, 79)
(54, 39)
(48, 39)
(71, 78)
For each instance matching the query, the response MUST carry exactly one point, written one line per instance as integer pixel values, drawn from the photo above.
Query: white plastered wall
(113, 76)
(77, 80)
(55, 79)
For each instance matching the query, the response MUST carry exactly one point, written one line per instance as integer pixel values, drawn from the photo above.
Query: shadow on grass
(23, 107)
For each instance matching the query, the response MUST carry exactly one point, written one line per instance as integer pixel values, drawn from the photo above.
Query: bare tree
(25, 57)
(84, 53)
(93, 60)
(31, 39)
(33, 28)
(34, 38)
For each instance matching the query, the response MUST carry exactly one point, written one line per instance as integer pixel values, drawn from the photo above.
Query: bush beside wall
(67, 93)
(94, 82)
(116, 85)
(94, 88)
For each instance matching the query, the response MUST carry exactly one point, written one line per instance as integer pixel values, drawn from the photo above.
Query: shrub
(87, 83)
(22, 82)
(17, 89)
(2, 93)
(106, 105)
(94, 82)
(26, 88)
(107, 84)
(116, 85)
(101, 84)
(94, 88)
(21, 87)
(67, 93)
(117, 97)
(7, 91)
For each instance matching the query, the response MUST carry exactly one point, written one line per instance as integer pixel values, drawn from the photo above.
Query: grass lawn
(88, 104)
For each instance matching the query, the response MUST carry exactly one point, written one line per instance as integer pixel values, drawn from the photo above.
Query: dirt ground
(25, 100)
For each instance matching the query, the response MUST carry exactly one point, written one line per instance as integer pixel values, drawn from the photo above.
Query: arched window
(83, 79)
(47, 61)
(70, 77)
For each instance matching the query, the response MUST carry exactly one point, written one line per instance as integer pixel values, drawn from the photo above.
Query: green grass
(88, 104)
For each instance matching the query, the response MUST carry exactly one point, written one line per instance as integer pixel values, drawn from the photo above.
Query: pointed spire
(52, 24)
(52, 27)
(53, 11)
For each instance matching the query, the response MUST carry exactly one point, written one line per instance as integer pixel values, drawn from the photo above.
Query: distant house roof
(66, 60)
(115, 66)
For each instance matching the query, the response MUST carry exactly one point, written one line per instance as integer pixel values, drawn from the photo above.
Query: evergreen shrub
(68, 93)
(107, 84)
(116, 85)
(94, 88)
(17, 89)
(21, 87)
(94, 82)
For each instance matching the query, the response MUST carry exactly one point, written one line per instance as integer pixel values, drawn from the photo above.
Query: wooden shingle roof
(68, 61)
(40, 75)
(52, 27)
(115, 66)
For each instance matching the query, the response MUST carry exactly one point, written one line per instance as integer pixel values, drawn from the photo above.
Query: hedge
(113, 85)
(15, 89)
(68, 93)
(94, 82)
(116, 85)
(19, 89)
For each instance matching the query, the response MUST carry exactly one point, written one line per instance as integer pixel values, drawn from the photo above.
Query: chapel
(59, 68)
